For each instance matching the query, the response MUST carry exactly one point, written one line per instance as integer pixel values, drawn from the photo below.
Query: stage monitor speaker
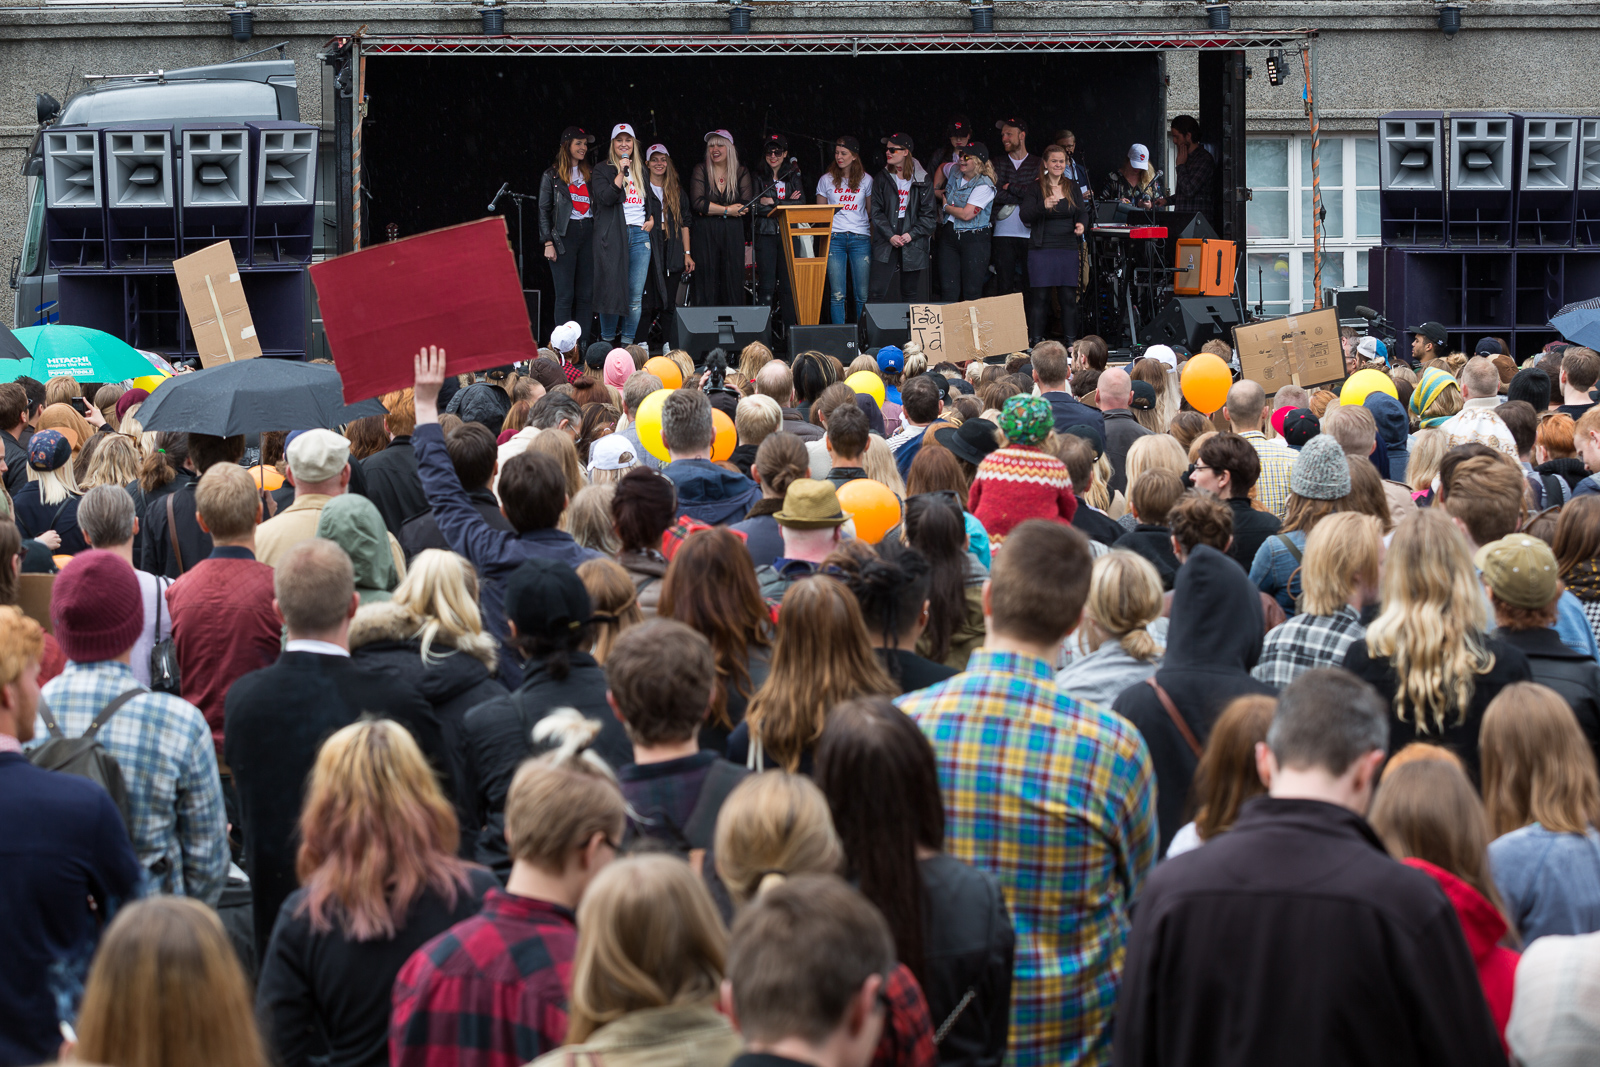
(1191, 321)
(1587, 209)
(1205, 267)
(1547, 156)
(73, 199)
(698, 330)
(1410, 178)
(216, 188)
(841, 342)
(141, 206)
(886, 324)
(1480, 206)
(284, 155)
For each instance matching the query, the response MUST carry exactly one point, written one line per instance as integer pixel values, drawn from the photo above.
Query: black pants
(965, 264)
(771, 278)
(718, 261)
(658, 312)
(891, 283)
(573, 271)
(1010, 257)
(1039, 311)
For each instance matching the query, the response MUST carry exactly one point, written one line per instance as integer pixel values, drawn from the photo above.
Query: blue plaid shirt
(164, 749)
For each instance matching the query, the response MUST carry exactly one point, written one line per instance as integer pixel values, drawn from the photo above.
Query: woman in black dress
(670, 242)
(1055, 210)
(719, 189)
(779, 172)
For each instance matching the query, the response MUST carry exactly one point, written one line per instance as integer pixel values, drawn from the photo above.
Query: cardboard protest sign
(1299, 350)
(213, 298)
(978, 329)
(456, 288)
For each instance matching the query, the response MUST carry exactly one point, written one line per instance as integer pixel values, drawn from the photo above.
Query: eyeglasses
(776, 151)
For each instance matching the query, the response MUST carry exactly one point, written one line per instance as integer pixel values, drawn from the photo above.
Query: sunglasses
(776, 151)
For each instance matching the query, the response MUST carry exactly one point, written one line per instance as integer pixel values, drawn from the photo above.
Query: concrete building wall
(1373, 56)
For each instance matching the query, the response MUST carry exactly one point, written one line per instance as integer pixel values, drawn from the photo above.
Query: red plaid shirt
(574, 372)
(488, 992)
(907, 1039)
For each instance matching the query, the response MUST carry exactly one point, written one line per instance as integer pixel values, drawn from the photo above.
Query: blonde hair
(754, 356)
(863, 364)
(730, 175)
(1153, 451)
(62, 389)
(1537, 765)
(115, 461)
(648, 937)
(916, 361)
(1428, 447)
(1432, 624)
(756, 418)
(558, 445)
(1124, 599)
(878, 462)
(166, 990)
(681, 359)
(57, 485)
(441, 589)
(588, 518)
(1099, 494)
(1340, 551)
(635, 169)
(558, 801)
(616, 603)
(21, 639)
(772, 826)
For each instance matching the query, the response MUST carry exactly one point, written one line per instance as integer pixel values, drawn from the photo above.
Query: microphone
(1367, 313)
(505, 188)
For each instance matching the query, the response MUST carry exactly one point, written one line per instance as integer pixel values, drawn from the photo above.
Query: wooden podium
(808, 275)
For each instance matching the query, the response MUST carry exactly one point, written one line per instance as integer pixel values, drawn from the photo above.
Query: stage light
(739, 18)
(982, 18)
(242, 22)
(46, 108)
(494, 18)
(1275, 67)
(1218, 17)
(1450, 19)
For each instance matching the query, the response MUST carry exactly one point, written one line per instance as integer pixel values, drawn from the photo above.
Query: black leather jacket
(794, 193)
(555, 209)
(921, 219)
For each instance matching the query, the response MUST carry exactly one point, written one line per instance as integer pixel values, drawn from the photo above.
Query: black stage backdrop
(442, 134)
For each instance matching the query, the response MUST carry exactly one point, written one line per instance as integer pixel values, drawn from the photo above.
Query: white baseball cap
(565, 337)
(724, 134)
(1164, 354)
(1138, 155)
(613, 452)
(622, 127)
(657, 149)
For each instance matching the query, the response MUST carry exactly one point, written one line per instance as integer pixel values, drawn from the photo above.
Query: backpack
(84, 756)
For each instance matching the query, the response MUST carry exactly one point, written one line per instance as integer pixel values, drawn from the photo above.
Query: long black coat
(1572, 674)
(884, 221)
(666, 243)
(1295, 939)
(611, 239)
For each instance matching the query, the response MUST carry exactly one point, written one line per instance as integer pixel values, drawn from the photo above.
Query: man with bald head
(1122, 429)
(1479, 422)
(776, 381)
(1245, 410)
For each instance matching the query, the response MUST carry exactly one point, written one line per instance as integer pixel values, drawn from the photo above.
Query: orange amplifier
(1205, 267)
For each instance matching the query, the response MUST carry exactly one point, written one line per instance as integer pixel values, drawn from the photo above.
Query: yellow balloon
(666, 370)
(149, 382)
(1206, 381)
(873, 506)
(727, 436)
(1364, 383)
(864, 381)
(648, 420)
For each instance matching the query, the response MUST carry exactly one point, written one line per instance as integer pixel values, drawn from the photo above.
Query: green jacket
(689, 1035)
(355, 525)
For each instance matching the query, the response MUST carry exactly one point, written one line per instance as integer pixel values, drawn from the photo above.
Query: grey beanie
(1321, 471)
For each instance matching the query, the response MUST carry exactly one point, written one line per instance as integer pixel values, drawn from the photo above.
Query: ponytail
(161, 466)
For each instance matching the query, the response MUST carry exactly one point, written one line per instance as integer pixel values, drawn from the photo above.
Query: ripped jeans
(852, 251)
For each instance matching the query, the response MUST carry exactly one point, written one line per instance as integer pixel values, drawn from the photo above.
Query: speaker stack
(1191, 321)
(1490, 222)
(123, 201)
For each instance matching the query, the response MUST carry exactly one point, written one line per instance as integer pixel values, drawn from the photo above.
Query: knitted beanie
(1321, 471)
(96, 606)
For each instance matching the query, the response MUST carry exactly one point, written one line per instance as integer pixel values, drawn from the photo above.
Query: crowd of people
(1012, 712)
(624, 234)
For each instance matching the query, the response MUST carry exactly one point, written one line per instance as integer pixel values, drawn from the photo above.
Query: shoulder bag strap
(1172, 713)
(111, 709)
(172, 533)
(49, 718)
(1292, 548)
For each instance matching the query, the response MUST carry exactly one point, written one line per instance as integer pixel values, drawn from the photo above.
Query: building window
(1279, 262)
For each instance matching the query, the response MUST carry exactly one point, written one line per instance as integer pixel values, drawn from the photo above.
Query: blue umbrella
(1579, 322)
(85, 354)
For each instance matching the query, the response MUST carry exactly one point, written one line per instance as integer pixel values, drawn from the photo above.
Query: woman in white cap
(566, 226)
(623, 222)
(670, 243)
(847, 186)
(904, 215)
(1137, 183)
(719, 188)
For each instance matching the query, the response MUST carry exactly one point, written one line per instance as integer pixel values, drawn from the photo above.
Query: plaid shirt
(907, 1039)
(488, 992)
(1305, 643)
(164, 749)
(1192, 191)
(572, 371)
(1277, 462)
(1056, 798)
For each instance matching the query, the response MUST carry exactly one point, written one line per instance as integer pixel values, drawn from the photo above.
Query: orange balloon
(266, 478)
(873, 506)
(666, 370)
(726, 438)
(1206, 381)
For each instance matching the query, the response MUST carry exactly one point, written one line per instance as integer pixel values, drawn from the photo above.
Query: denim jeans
(638, 274)
(852, 251)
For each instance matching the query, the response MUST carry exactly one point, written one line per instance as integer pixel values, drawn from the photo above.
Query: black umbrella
(10, 347)
(253, 396)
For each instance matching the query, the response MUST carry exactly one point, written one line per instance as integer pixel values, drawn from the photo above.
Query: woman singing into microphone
(1055, 209)
(566, 226)
(719, 188)
(623, 222)
(848, 186)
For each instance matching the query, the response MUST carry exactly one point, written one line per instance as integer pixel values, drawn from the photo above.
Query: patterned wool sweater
(1018, 483)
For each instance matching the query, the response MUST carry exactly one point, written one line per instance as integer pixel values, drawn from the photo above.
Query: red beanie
(96, 606)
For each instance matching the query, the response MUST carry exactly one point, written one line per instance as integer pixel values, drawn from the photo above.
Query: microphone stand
(518, 198)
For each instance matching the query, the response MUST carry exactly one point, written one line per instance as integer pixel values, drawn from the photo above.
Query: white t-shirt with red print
(632, 200)
(903, 187)
(852, 203)
(579, 191)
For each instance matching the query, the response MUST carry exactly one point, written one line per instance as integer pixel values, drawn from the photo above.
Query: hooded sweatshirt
(1393, 431)
(711, 494)
(1484, 927)
(355, 525)
(1213, 640)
